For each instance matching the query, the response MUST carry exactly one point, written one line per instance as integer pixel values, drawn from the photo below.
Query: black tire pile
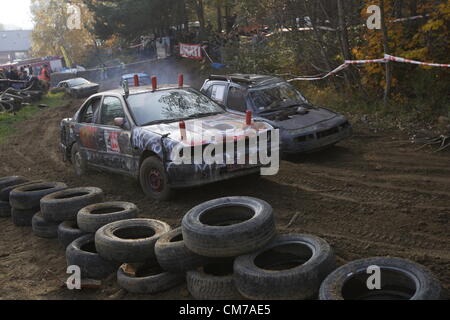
(225, 249)
(12, 100)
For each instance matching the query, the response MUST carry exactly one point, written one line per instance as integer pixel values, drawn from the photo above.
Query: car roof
(72, 79)
(250, 80)
(142, 89)
(131, 75)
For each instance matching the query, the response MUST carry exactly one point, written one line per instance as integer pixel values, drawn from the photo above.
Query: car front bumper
(317, 138)
(187, 175)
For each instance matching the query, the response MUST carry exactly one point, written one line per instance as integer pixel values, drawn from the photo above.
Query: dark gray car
(303, 126)
(79, 87)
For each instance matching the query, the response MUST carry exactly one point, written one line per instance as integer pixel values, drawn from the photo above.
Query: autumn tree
(53, 30)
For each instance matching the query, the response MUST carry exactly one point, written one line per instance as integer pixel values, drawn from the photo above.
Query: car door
(85, 130)
(115, 151)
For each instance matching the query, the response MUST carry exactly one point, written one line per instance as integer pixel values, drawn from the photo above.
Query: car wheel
(154, 179)
(78, 162)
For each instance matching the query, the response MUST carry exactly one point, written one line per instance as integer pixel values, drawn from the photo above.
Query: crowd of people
(23, 73)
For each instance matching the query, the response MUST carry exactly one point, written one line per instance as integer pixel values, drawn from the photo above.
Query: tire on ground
(4, 193)
(81, 252)
(5, 209)
(29, 196)
(68, 232)
(64, 205)
(400, 280)
(229, 227)
(95, 216)
(214, 281)
(11, 181)
(44, 228)
(173, 256)
(23, 218)
(131, 240)
(290, 267)
(147, 278)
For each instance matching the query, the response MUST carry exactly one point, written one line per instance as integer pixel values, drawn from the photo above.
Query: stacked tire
(62, 206)
(25, 200)
(82, 250)
(6, 185)
(247, 258)
(222, 230)
(131, 243)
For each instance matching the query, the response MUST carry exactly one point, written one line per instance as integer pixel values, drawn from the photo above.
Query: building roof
(15, 40)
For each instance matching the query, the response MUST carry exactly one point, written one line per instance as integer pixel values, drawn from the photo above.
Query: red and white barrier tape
(386, 58)
(398, 59)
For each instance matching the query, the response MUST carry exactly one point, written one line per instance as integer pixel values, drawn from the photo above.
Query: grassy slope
(8, 120)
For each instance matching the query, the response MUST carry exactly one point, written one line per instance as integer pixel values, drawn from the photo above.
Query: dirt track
(371, 195)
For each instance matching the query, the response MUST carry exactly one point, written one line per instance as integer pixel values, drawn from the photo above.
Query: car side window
(90, 112)
(236, 100)
(112, 108)
(217, 93)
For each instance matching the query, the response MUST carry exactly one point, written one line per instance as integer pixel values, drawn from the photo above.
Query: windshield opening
(277, 96)
(169, 105)
(77, 82)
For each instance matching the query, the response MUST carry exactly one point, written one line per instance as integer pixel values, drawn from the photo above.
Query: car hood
(300, 121)
(85, 86)
(225, 124)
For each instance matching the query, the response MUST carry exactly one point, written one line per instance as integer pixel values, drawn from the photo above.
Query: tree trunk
(219, 18)
(318, 37)
(200, 10)
(343, 31)
(387, 91)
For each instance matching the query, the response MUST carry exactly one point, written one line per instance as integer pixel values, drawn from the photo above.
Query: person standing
(45, 78)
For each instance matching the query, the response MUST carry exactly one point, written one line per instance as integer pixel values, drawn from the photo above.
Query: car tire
(5, 192)
(23, 218)
(173, 256)
(290, 267)
(95, 216)
(129, 241)
(81, 252)
(400, 280)
(154, 179)
(214, 281)
(68, 232)
(77, 160)
(5, 209)
(29, 196)
(228, 227)
(11, 181)
(64, 205)
(44, 228)
(147, 278)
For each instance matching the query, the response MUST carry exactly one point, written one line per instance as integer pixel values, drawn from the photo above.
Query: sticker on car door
(112, 142)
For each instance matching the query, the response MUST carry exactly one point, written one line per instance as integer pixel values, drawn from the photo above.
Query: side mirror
(119, 122)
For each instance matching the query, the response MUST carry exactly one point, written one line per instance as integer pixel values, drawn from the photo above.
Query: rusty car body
(128, 133)
(303, 126)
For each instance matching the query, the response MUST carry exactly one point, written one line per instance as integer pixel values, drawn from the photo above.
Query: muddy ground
(372, 195)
